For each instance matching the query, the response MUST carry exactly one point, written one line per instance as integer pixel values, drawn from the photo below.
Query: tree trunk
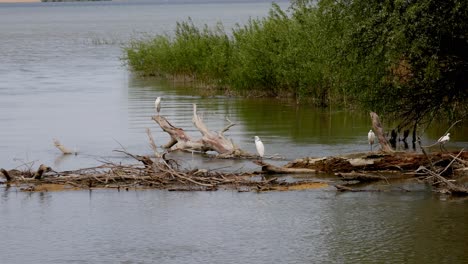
(210, 141)
(384, 144)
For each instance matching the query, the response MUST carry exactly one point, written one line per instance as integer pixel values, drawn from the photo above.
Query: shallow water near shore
(62, 78)
(103, 226)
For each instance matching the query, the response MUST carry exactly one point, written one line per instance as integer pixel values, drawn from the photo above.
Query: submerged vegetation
(405, 59)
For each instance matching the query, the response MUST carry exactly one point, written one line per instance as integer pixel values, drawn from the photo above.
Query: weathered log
(342, 188)
(210, 141)
(179, 138)
(6, 174)
(395, 165)
(362, 177)
(449, 186)
(378, 129)
(62, 148)
(153, 144)
(269, 168)
(39, 173)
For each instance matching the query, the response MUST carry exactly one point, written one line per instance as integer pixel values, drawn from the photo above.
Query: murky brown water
(61, 77)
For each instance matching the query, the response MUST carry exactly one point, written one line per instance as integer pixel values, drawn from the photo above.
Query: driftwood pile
(443, 170)
(210, 140)
(160, 174)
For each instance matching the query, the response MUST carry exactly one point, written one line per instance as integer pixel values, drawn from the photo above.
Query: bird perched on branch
(371, 138)
(259, 146)
(442, 140)
(157, 104)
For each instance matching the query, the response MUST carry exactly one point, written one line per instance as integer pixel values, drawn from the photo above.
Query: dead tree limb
(143, 159)
(6, 174)
(212, 140)
(179, 138)
(425, 154)
(153, 144)
(437, 142)
(451, 162)
(384, 145)
(40, 172)
(438, 178)
(62, 148)
(268, 168)
(362, 177)
(226, 128)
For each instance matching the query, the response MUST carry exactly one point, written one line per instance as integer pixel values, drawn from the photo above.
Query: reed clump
(406, 59)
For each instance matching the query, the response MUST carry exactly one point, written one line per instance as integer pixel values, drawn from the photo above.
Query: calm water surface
(62, 77)
(228, 227)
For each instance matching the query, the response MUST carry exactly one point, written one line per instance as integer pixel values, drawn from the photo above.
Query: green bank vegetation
(405, 59)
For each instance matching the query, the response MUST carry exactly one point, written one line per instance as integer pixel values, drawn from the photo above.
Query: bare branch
(152, 144)
(226, 128)
(437, 142)
(62, 148)
(384, 145)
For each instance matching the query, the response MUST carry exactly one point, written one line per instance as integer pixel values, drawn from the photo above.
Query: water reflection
(286, 128)
(228, 227)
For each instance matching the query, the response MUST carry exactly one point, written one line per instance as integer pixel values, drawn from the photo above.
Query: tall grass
(325, 51)
(201, 54)
(294, 53)
(275, 55)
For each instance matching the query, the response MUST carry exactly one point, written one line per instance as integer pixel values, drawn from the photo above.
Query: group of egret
(261, 148)
(258, 143)
(442, 140)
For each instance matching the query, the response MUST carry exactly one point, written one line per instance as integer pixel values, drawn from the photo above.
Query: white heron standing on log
(259, 146)
(442, 140)
(371, 138)
(157, 104)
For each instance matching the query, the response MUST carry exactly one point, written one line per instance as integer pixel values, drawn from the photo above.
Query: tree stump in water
(210, 140)
(384, 144)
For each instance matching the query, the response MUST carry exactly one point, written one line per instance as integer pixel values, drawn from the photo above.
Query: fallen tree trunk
(363, 167)
(268, 168)
(6, 174)
(213, 140)
(210, 140)
(179, 138)
(384, 144)
(362, 177)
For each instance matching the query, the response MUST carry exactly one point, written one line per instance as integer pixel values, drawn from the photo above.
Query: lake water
(62, 77)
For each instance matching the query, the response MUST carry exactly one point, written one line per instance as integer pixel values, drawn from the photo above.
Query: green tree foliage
(406, 59)
(415, 53)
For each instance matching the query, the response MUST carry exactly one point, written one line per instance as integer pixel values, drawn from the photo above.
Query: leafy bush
(406, 59)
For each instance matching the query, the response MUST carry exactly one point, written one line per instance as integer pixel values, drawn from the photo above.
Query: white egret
(442, 140)
(157, 104)
(259, 146)
(371, 138)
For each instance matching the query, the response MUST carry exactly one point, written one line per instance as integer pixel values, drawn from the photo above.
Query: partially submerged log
(179, 138)
(359, 176)
(365, 167)
(62, 148)
(342, 188)
(378, 129)
(398, 162)
(213, 140)
(160, 175)
(39, 173)
(210, 140)
(269, 168)
(6, 174)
